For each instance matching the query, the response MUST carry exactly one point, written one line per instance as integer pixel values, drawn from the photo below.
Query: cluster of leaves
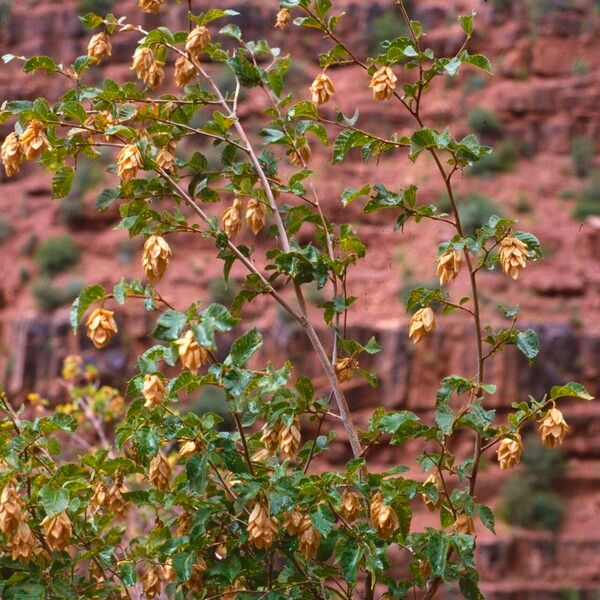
(191, 489)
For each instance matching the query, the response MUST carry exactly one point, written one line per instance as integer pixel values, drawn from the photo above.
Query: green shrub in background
(485, 122)
(49, 296)
(501, 160)
(214, 401)
(223, 292)
(95, 6)
(57, 254)
(583, 151)
(387, 26)
(530, 500)
(588, 199)
(474, 209)
(6, 229)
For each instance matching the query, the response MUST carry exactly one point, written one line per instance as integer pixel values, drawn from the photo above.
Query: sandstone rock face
(546, 91)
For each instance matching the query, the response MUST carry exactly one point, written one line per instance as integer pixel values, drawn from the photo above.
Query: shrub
(49, 297)
(475, 209)
(485, 122)
(100, 7)
(583, 151)
(501, 160)
(6, 229)
(213, 400)
(529, 499)
(523, 205)
(57, 254)
(223, 292)
(387, 26)
(588, 199)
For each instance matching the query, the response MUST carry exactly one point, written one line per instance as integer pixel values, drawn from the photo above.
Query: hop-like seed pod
(187, 448)
(34, 141)
(448, 266)
(184, 524)
(129, 161)
(439, 486)
(350, 506)
(289, 440)
(383, 84)
(147, 68)
(191, 353)
(513, 255)
(101, 327)
(197, 40)
(151, 6)
(12, 154)
(321, 89)
(301, 155)
(155, 257)
(270, 437)
(383, 516)
(100, 496)
(309, 540)
(221, 549)
(509, 451)
(553, 428)
(284, 18)
(344, 368)
(168, 571)
(57, 531)
(293, 521)
(255, 215)
(464, 524)
(421, 323)
(116, 503)
(151, 583)
(262, 528)
(196, 580)
(166, 157)
(159, 472)
(99, 47)
(232, 218)
(10, 509)
(185, 71)
(21, 542)
(153, 390)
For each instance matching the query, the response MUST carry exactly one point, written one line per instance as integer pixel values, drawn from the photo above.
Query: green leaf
(344, 142)
(197, 473)
(444, 419)
(486, 515)
(247, 73)
(64, 421)
(231, 30)
(128, 573)
(437, 553)
(572, 389)
(91, 20)
(87, 296)
(244, 347)
(53, 500)
(106, 198)
(349, 558)
(528, 343)
(24, 590)
(466, 23)
(323, 520)
(183, 563)
(351, 194)
(40, 62)
(170, 325)
(62, 182)
(477, 60)
(468, 584)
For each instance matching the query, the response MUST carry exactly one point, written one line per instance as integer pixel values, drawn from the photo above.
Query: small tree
(171, 501)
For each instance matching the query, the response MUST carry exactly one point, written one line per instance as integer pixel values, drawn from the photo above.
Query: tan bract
(284, 18)
(513, 255)
(99, 47)
(383, 516)
(151, 583)
(321, 89)
(344, 368)
(12, 154)
(10, 509)
(191, 353)
(116, 502)
(464, 524)
(350, 506)
(421, 323)
(289, 440)
(293, 521)
(262, 528)
(232, 218)
(553, 428)
(155, 257)
(255, 215)
(309, 539)
(153, 390)
(185, 71)
(21, 542)
(57, 531)
(129, 161)
(101, 327)
(99, 498)
(151, 6)
(34, 141)
(383, 84)
(166, 157)
(168, 571)
(159, 472)
(188, 448)
(197, 40)
(301, 155)
(270, 437)
(448, 266)
(196, 580)
(147, 68)
(439, 486)
(509, 451)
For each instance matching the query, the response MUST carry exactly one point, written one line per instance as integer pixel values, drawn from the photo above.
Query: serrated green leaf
(87, 296)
